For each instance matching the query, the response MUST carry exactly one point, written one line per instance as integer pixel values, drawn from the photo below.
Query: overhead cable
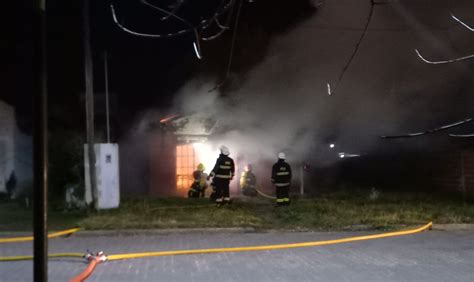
(175, 9)
(428, 131)
(442, 61)
(167, 12)
(354, 52)
(197, 47)
(203, 23)
(462, 135)
(461, 22)
(222, 28)
(232, 45)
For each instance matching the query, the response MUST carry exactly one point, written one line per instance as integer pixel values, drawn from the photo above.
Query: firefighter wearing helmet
(198, 188)
(222, 174)
(281, 178)
(248, 182)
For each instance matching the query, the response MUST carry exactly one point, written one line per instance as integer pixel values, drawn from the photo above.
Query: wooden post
(89, 98)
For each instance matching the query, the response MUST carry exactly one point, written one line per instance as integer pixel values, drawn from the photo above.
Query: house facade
(7, 148)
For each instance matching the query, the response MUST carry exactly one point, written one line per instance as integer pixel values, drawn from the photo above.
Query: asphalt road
(426, 256)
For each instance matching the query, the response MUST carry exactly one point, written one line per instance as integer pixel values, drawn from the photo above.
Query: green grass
(330, 212)
(14, 217)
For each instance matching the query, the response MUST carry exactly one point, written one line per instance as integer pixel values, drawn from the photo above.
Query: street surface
(427, 256)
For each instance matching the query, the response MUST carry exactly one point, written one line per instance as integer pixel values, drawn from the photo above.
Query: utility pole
(89, 98)
(40, 154)
(106, 72)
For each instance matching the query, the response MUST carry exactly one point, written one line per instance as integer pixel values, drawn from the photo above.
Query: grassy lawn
(330, 212)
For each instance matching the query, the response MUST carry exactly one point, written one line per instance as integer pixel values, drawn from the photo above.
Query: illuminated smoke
(286, 104)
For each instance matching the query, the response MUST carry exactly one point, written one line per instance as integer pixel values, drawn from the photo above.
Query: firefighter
(194, 190)
(198, 188)
(222, 174)
(248, 182)
(281, 178)
(202, 179)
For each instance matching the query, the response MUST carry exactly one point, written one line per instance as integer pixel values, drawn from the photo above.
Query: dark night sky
(143, 72)
(146, 73)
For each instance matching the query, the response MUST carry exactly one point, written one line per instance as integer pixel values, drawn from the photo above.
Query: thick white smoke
(283, 104)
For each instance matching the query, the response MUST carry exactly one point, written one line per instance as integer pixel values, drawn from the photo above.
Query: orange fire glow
(168, 118)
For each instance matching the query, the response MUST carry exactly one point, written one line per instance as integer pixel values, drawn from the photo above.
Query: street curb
(170, 231)
(454, 227)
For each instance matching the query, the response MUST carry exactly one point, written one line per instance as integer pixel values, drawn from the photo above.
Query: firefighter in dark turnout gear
(223, 173)
(281, 178)
(248, 182)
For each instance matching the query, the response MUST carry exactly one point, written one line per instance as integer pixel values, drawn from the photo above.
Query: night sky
(143, 72)
(148, 73)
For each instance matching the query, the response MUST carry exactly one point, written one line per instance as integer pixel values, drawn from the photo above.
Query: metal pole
(40, 154)
(463, 177)
(89, 95)
(107, 95)
(302, 179)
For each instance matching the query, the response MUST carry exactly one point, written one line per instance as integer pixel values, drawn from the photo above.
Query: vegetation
(340, 211)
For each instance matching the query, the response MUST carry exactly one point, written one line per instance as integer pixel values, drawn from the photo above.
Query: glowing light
(329, 89)
(205, 155)
(347, 155)
(331, 145)
(165, 119)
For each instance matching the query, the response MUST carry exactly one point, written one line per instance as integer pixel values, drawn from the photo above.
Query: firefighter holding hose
(222, 174)
(281, 178)
(248, 182)
(198, 188)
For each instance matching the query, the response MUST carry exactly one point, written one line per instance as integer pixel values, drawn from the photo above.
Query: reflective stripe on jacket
(281, 173)
(224, 168)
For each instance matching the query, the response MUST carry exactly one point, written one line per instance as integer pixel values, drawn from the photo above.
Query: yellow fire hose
(57, 255)
(240, 249)
(30, 238)
(265, 195)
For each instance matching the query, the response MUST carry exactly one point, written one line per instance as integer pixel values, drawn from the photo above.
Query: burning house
(176, 147)
(162, 157)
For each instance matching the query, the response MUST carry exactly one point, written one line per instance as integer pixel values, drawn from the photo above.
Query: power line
(442, 61)
(444, 127)
(353, 53)
(223, 7)
(461, 22)
(231, 54)
(173, 12)
(222, 28)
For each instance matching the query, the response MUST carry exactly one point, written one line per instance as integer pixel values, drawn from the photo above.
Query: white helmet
(225, 150)
(281, 155)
